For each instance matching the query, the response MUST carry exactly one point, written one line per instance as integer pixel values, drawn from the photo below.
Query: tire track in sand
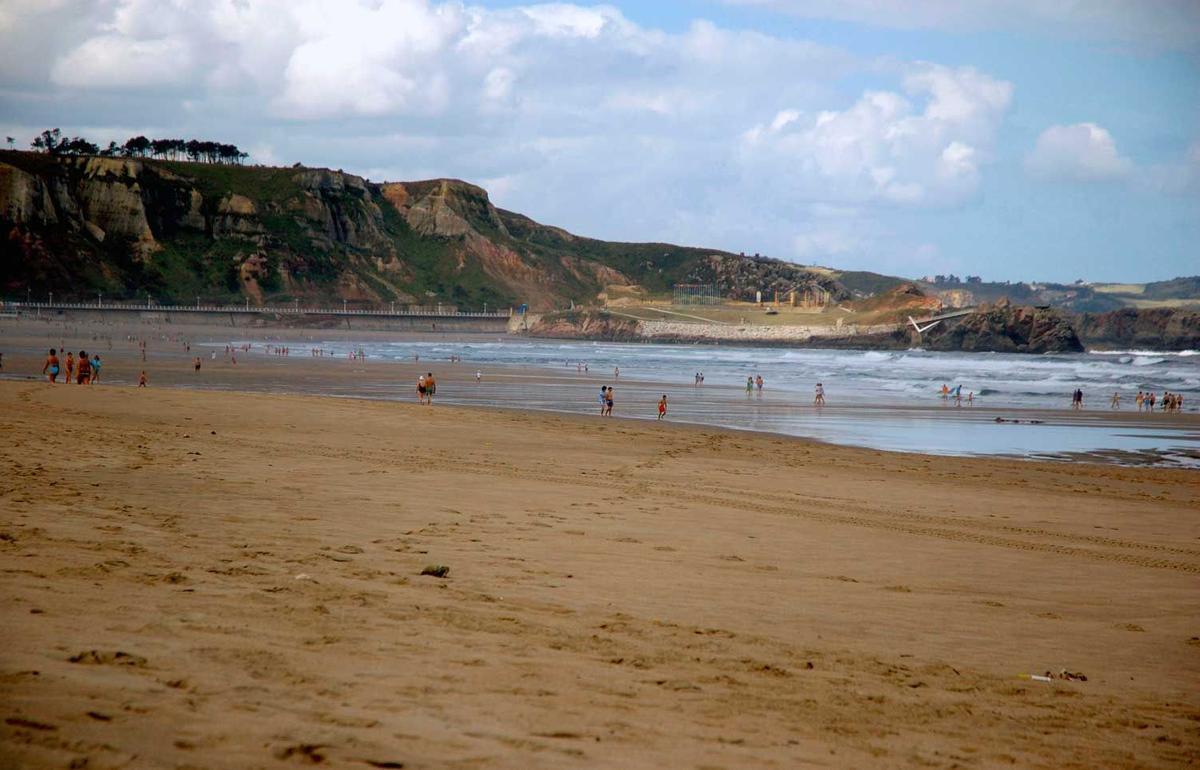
(846, 514)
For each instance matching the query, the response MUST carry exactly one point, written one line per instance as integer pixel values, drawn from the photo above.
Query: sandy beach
(210, 579)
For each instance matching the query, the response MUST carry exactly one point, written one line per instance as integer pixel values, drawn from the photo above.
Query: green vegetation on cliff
(177, 231)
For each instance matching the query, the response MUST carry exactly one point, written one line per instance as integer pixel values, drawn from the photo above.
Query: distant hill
(1076, 297)
(177, 231)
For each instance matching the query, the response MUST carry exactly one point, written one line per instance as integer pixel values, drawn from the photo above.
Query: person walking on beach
(603, 398)
(758, 383)
(69, 365)
(608, 402)
(95, 369)
(749, 385)
(421, 389)
(83, 370)
(1116, 400)
(430, 387)
(971, 398)
(478, 377)
(50, 369)
(1077, 399)
(1150, 398)
(958, 395)
(945, 391)
(1139, 399)
(819, 398)
(196, 363)
(142, 379)
(616, 372)
(662, 407)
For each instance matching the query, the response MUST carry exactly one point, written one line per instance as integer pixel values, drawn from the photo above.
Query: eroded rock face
(1153, 329)
(741, 278)
(446, 208)
(25, 198)
(1006, 328)
(585, 325)
(236, 215)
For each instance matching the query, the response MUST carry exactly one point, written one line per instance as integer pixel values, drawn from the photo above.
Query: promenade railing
(407, 311)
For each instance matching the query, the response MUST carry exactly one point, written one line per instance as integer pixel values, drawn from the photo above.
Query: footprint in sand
(308, 753)
(29, 724)
(99, 658)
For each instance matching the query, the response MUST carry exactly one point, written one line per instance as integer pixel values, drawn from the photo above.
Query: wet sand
(225, 580)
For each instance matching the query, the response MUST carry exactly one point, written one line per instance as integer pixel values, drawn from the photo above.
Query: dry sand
(212, 580)
(228, 580)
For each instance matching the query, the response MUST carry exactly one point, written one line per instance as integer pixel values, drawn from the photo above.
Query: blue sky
(1016, 140)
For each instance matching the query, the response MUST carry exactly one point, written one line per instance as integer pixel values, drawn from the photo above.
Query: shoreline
(546, 388)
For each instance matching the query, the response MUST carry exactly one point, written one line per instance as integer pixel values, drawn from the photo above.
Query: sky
(1010, 139)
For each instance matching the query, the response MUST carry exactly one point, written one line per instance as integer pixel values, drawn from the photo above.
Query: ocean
(877, 399)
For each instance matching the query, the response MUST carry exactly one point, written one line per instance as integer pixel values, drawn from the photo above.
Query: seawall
(243, 319)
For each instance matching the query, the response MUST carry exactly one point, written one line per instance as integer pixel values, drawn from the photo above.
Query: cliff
(1155, 329)
(177, 231)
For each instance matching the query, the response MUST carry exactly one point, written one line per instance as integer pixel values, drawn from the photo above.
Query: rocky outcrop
(897, 303)
(1006, 328)
(586, 326)
(741, 278)
(1149, 329)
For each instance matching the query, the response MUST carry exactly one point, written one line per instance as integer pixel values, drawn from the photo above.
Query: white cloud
(885, 147)
(1158, 23)
(1083, 152)
(117, 61)
(574, 115)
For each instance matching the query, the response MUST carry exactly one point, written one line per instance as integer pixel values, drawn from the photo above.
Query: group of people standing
(1171, 402)
(84, 370)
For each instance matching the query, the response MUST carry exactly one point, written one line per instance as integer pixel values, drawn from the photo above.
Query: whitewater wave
(1143, 353)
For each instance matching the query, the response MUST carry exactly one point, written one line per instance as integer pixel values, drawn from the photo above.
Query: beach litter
(436, 570)
(1065, 675)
